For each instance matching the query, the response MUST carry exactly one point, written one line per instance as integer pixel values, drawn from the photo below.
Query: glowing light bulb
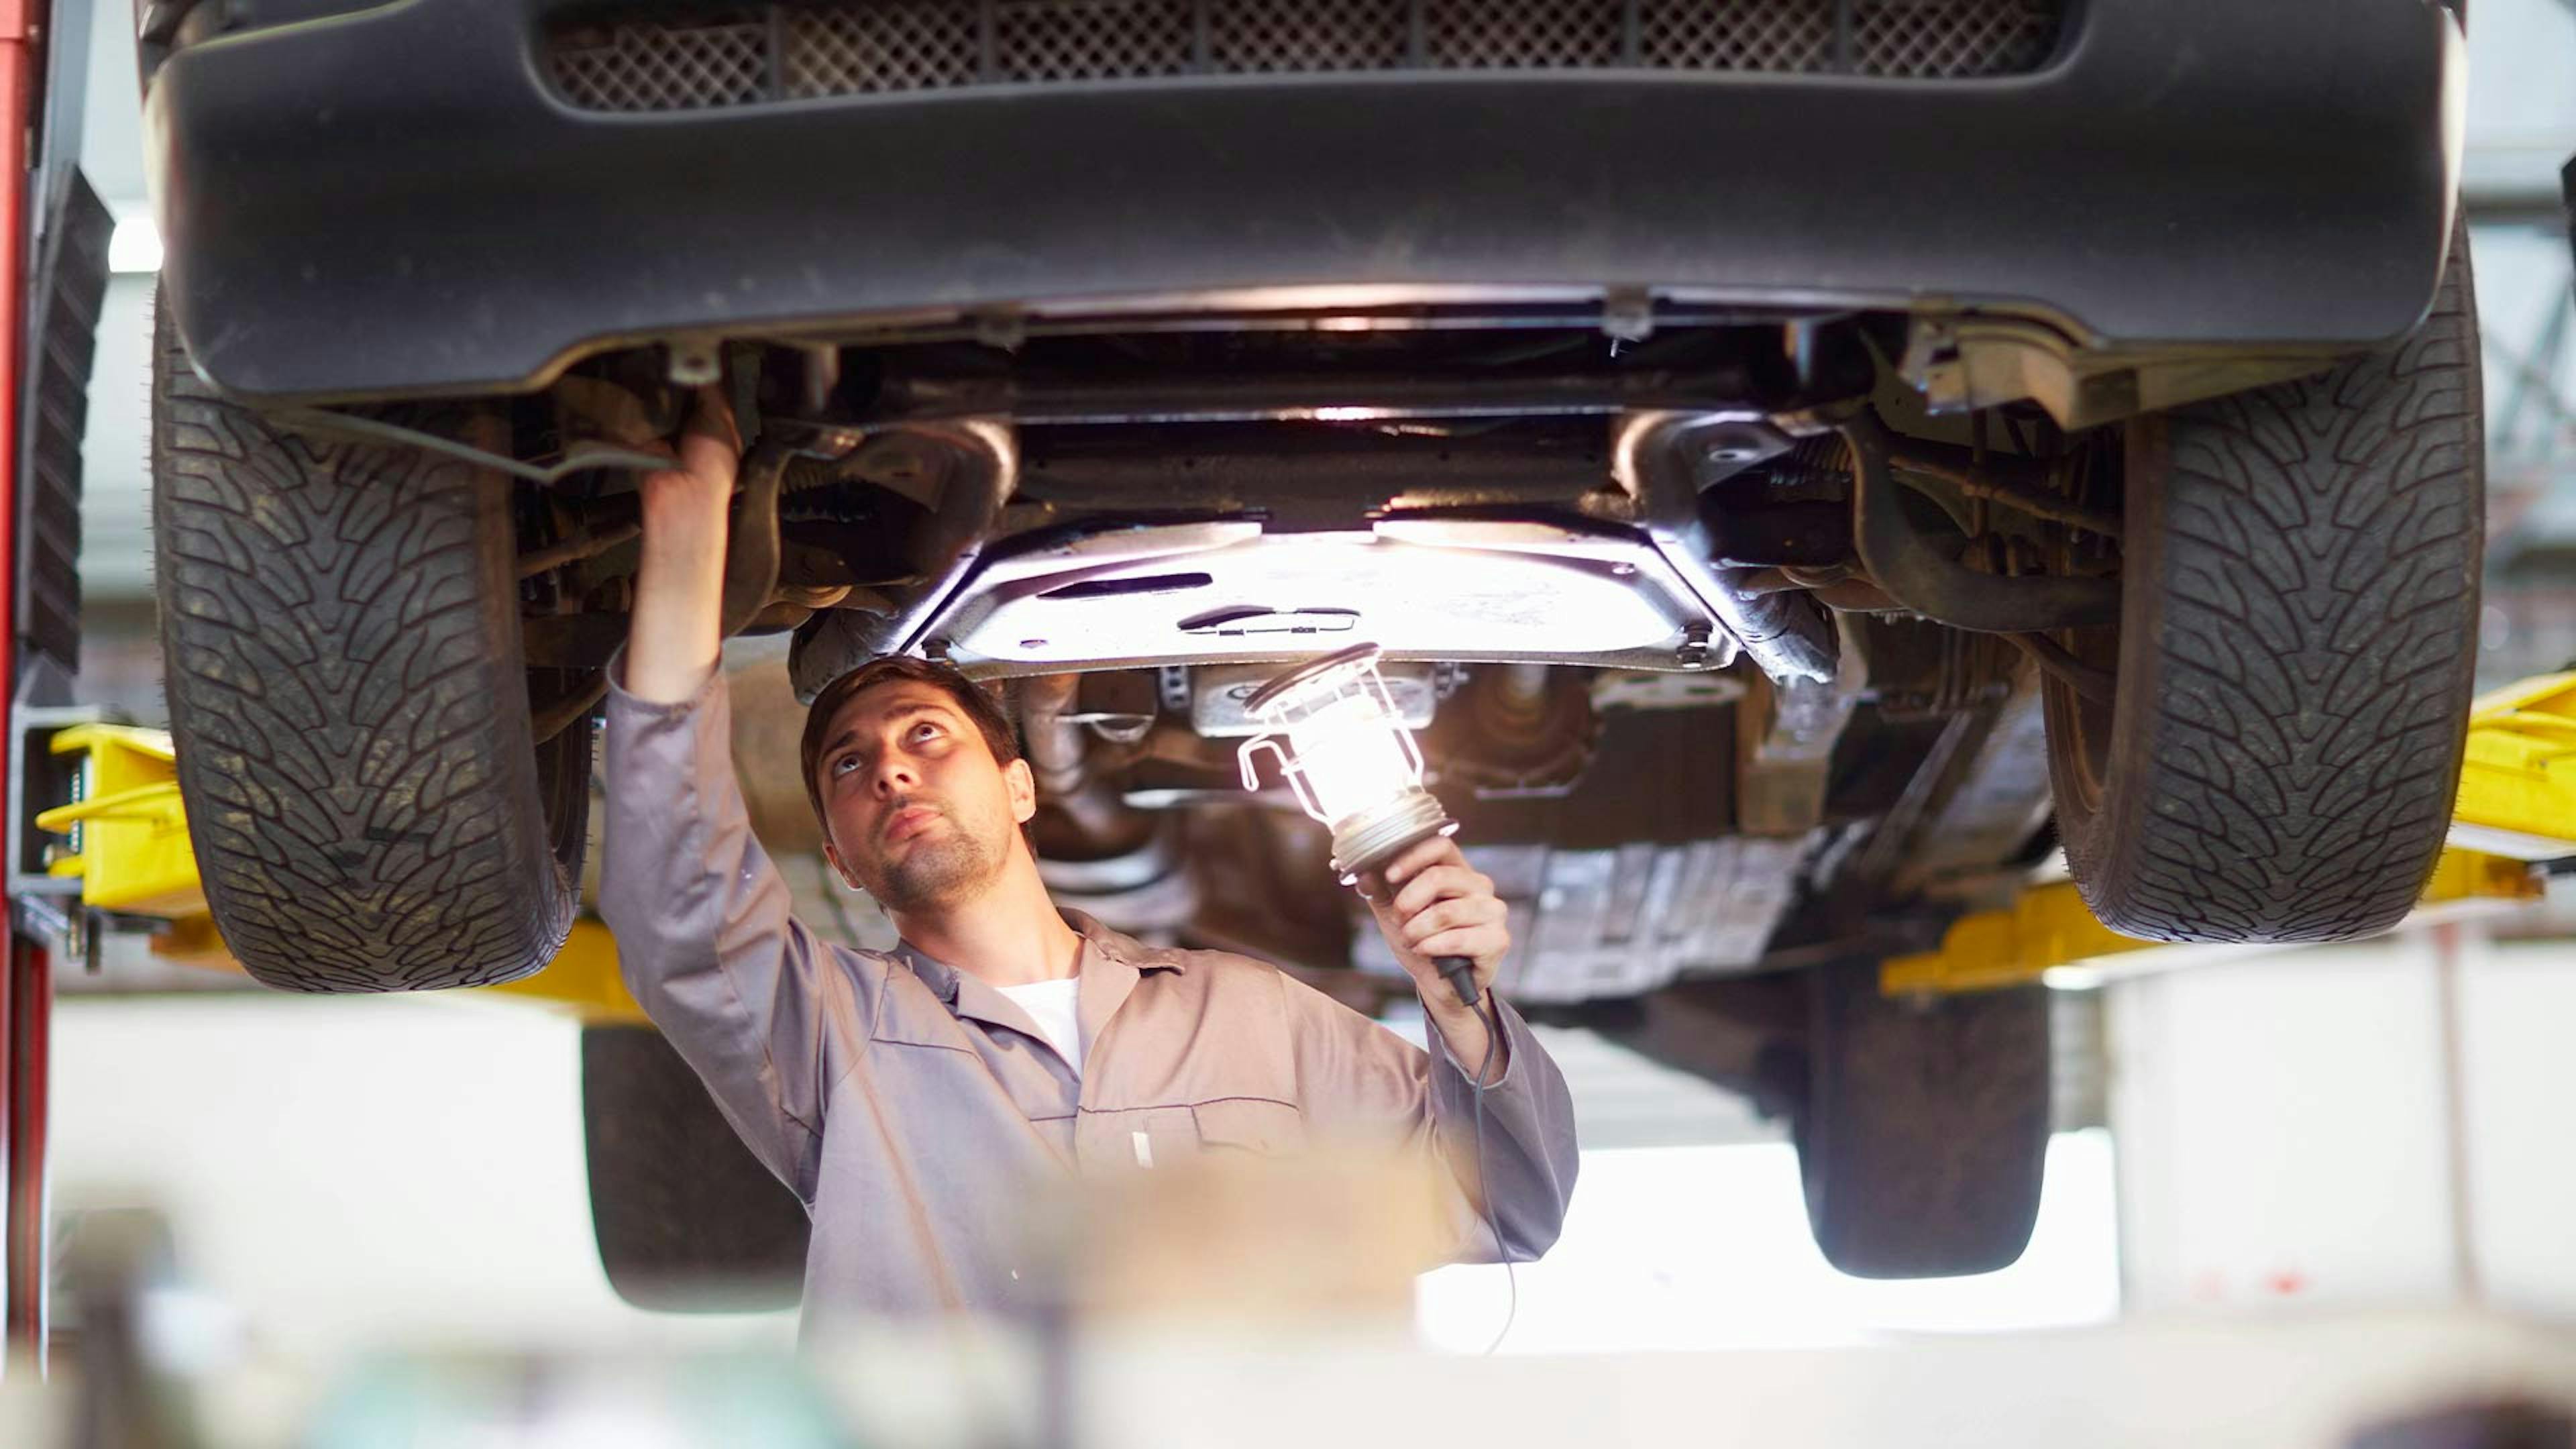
(1344, 750)
(1354, 760)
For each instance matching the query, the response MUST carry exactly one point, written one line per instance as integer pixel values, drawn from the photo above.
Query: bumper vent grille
(748, 57)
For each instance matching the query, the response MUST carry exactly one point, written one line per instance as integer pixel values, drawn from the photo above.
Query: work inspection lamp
(1345, 751)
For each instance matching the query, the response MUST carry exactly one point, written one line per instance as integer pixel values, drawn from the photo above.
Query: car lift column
(26, 1004)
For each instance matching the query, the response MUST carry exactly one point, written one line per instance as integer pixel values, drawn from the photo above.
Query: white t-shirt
(1051, 1005)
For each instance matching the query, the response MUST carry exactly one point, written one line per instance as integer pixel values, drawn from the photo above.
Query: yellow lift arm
(126, 841)
(2517, 805)
(2518, 783)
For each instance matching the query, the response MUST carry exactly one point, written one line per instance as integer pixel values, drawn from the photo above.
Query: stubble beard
(936, 873)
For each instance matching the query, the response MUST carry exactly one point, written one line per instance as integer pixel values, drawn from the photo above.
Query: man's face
(919, 813)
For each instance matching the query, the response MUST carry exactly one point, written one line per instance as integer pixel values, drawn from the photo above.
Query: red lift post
(26, 1006)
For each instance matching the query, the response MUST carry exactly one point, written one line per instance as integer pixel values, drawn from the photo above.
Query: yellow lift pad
(2518, 782)
(2050, 927)
(2517, 804)
(128, 846)
(582, 979)
(129, 833)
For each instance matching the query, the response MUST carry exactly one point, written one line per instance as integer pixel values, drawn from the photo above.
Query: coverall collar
(1101, 947)
(1107, 972)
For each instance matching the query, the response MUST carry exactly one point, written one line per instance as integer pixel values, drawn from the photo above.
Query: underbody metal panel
(1432, 588)
(1627, 920)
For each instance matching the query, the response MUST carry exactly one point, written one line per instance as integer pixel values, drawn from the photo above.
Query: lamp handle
(1460, 973)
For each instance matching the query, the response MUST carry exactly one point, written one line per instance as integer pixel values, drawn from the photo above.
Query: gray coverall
(917, 1111)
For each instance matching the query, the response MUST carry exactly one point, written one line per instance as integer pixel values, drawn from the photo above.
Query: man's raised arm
(704, 937)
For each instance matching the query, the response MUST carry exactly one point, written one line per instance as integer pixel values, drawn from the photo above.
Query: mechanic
(914, 1099)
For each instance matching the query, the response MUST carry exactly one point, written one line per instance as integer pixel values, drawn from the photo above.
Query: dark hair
(971, 699)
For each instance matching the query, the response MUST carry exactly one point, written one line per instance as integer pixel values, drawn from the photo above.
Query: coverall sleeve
(704, 938)
(1357, 1081)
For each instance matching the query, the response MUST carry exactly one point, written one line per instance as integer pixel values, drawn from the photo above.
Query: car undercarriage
(1629, 586)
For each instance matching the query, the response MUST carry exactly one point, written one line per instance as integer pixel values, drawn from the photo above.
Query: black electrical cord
(1460, 973)
(1485, 1008)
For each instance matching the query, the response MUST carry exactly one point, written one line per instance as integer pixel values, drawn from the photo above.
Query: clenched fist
(1430, 903)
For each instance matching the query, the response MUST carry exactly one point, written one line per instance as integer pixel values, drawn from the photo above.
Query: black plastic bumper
(393, 201)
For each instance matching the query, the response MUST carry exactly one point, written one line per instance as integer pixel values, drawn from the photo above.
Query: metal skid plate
(1421, 588)
(1621, 922)
(1217, 694)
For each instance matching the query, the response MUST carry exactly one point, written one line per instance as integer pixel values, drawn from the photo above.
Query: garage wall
(343, 1174)
(2518, 1006)
(341, 1171)
(2377, 1124)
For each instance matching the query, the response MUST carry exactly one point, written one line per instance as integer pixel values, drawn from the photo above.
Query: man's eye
(924, 730)
(844, 765)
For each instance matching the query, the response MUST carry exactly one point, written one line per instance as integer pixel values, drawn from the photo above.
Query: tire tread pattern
(346, 689)
(2309, 649)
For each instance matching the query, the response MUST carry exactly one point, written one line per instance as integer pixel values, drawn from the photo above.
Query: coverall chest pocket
(1154, 1137)
(1249, 1124)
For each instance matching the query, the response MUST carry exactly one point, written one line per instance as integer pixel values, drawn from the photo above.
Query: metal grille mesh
(1941, 39)
(1319, 36)
(744, 57)
(1093, 40)
(1525, 34)
(900, 47)
(722, 60)
(1797, 37)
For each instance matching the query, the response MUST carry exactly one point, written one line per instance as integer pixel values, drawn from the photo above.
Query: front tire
(341, 648)
(2294, 656)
